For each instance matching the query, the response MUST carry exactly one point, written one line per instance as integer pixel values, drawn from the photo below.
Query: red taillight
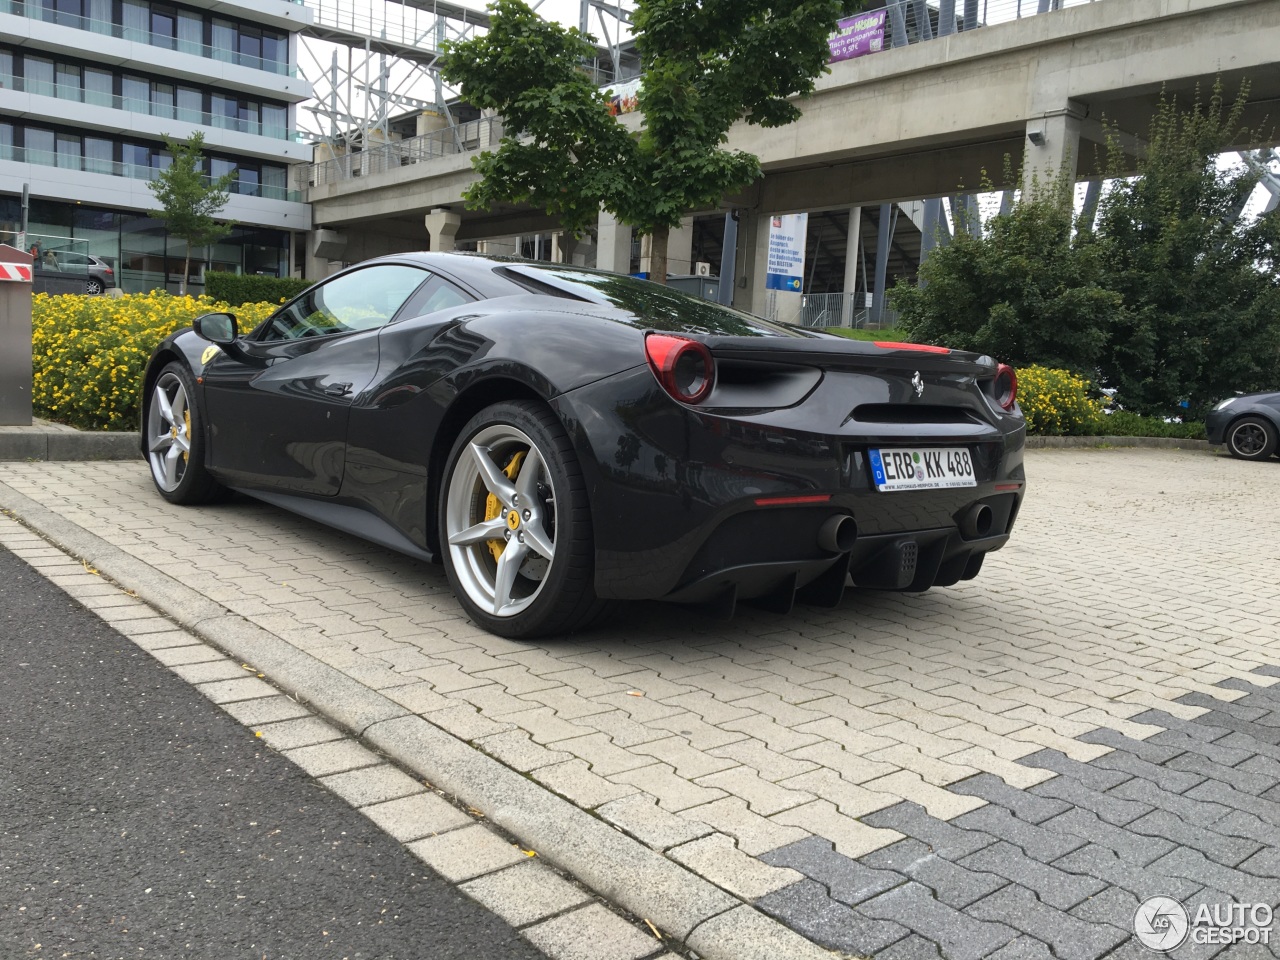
(108, 271)
(1006, 386)
(684, 367)
(921, 347)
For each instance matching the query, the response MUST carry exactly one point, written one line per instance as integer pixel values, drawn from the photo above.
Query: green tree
(1027, 291)
(1199, 283)
(706, 64)
(190, 201)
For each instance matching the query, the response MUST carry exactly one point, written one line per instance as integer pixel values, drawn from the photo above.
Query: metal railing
(133, 171)
(463, 138)
(840, 310)
(45, 243)
(64, 91)
(913, 21)
(35, 10)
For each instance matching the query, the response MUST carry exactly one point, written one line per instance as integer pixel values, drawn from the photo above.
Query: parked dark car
(1249, 425)
(97, 272)
(561, 437)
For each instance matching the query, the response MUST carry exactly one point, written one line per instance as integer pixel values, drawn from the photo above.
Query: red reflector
(792, 501)
(921, 347)
(1008, 486)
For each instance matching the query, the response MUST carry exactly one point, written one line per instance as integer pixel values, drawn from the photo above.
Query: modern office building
(90, 88)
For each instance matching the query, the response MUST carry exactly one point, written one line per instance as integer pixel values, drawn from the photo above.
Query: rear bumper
(674, 491)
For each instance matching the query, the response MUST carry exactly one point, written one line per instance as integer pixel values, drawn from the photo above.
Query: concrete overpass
(925, 120)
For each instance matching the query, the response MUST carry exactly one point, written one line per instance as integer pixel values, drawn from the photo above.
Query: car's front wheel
(515, 524)
(1251, 438)
(175, 440)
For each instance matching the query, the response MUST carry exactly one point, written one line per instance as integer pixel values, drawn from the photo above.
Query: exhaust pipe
(976, 522)
(838, 534)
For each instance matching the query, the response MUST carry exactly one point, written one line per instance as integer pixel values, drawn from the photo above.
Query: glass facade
(167, 25)
(140, 249)
(80, 80)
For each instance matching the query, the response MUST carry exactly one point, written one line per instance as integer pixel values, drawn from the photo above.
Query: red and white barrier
(19, 272)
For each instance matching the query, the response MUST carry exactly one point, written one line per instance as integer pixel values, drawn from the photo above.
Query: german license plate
(922, 468)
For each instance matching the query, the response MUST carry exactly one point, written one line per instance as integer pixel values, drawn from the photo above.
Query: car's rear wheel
(175, 440)
(515, 524)
(93, 287)
(1251, 438)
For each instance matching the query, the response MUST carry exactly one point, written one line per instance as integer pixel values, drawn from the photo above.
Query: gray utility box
(15, 337)
(708, 288)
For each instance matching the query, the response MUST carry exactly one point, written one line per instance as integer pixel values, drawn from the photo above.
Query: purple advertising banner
(858, 36)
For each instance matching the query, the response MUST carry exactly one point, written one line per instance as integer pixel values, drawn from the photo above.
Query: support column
(1053, 145)
(728, 259)
(613, 244)
(883, 240)
(852, 255)
(325, 249)
(443, 226)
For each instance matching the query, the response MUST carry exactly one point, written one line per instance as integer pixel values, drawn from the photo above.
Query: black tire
(537, 596)
(175, 440)
(93, 287)
(1251, 438)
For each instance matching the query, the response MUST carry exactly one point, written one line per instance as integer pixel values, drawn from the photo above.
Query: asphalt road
(138, 820)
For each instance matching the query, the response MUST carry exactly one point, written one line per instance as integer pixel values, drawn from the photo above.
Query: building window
(98, 154)
(99, 87)
(39, 75)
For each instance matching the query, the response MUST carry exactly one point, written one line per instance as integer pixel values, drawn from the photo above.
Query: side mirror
(219, 328)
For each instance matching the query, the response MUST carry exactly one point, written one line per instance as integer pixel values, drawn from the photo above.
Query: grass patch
(1123, 423)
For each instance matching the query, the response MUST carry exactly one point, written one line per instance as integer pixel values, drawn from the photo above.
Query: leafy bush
(1057, 402)
(238, 288)
(1126, 423)
(88, 353)
(1027, 291)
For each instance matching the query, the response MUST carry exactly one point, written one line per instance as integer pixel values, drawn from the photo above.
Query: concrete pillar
(679, 250)
(613, 244)
(325, 249)
(852, 254)
(443, 226)
(563, 247)
(1052, 147)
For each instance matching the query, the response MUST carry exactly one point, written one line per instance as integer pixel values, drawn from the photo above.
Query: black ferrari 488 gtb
(561, 437)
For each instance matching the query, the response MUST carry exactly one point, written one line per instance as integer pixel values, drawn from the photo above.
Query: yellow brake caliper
(186, 418)
(493, 506)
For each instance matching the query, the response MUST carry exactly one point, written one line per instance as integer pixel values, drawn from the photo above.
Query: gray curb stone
(1163, 443)
(55, 442)
(717, 925)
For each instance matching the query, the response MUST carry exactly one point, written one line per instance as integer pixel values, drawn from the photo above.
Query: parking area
(1005, 768)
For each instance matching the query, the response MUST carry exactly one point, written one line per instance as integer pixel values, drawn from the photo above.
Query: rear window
(656, 306)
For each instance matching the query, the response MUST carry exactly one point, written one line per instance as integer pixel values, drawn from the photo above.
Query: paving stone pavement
(1004, 768)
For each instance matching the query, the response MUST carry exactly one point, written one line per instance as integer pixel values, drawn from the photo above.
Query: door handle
(337, 389)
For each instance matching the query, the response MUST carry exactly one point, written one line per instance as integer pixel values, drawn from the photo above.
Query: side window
(360, 300)
(439, 294)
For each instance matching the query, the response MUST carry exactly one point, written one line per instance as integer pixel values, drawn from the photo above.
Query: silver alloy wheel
(524, 525)
(168, 432)
(1248, 439)
(93, 287)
